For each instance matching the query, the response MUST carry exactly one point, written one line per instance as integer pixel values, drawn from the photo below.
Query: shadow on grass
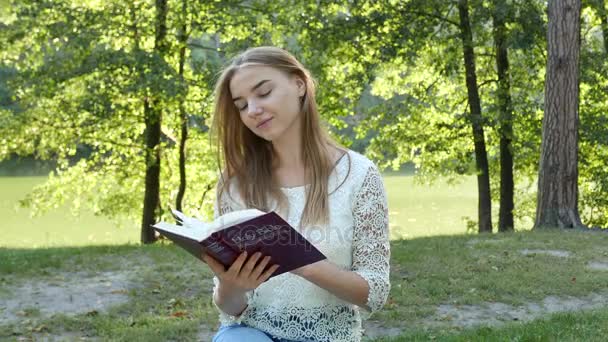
(426, 273)
(125, 293)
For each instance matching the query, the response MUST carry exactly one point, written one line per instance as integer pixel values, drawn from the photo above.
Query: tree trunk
(481, 158)
(505, 217)
(557, 204)
(153, 117)
(183, 36)
(152, 183)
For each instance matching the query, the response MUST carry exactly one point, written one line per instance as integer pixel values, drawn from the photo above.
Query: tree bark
(481, 158)
(557, 202)
(505, 109)
(153, 117)
(182, 113)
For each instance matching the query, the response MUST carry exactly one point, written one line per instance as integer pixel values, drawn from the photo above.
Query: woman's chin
(266, 136)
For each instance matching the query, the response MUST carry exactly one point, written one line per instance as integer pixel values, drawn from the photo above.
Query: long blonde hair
(249, 159)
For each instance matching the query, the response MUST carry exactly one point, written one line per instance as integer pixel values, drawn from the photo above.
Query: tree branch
(436, 16)
(486, 82)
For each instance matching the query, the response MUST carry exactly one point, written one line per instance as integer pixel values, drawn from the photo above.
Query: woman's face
(268, 100)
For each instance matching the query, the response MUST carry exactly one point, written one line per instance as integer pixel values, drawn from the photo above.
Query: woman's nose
(253, 109)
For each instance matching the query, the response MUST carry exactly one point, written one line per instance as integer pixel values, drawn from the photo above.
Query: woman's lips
(264, 123)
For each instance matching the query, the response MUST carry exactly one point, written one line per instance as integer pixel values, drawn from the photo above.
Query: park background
(105, 108)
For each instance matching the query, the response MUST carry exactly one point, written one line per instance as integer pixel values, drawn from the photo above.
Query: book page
(199, 230)
(232, 218)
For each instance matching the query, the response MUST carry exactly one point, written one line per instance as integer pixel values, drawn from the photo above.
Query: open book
(248, 230)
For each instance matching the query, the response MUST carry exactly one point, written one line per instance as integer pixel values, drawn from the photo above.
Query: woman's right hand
(245, 274)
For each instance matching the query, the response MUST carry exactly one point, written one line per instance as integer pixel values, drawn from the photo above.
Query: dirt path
(66, 293)
(495, 314)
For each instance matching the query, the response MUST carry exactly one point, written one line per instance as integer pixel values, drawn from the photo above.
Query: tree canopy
(80, 79)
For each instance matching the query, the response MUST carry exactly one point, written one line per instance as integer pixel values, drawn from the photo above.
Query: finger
(214, 265)
(260, 267)
(236, 266)
(268, 273)
(250, 264)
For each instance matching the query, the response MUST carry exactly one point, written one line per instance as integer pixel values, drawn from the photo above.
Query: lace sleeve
(224, 205)
(371, 246)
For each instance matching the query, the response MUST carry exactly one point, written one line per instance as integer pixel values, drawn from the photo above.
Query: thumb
(214, 265)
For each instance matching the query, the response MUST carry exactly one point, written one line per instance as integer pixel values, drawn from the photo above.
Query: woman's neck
(289, 153)
(288, 147)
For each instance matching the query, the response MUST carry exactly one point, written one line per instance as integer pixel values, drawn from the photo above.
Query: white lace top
(356, 239)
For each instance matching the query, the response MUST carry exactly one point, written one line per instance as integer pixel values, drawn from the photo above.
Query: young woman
(276, 156)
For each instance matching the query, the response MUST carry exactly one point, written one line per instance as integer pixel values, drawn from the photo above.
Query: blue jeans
(242, 332)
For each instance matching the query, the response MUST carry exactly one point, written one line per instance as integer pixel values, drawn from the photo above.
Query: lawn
(420, 210)
(87, 280)
(57, 228)
(443, 288)
(415, 211)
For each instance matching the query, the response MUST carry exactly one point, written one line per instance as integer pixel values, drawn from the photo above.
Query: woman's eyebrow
(259, 84)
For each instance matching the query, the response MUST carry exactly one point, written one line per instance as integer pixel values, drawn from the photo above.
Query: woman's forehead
(248, 75)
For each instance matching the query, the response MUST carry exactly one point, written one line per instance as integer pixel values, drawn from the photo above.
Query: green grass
(170, 298)
(462, 270)
(430, 267)
(56, 228)
(589, 326)
(426, 272)
(420, 210)
(415, 211)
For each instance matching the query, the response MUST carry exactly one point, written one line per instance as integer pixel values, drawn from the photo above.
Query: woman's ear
(301, 86)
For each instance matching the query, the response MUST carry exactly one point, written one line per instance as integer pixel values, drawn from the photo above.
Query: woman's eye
(241, 106)
(266, 93)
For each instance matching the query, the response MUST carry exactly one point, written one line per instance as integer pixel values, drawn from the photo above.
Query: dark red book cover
(268, 234)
